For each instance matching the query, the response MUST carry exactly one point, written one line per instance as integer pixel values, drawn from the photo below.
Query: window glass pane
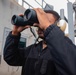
(22, 43)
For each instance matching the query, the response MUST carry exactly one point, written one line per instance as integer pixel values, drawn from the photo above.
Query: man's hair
(56, 15)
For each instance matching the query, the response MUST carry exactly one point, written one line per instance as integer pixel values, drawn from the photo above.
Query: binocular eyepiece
(28, 18)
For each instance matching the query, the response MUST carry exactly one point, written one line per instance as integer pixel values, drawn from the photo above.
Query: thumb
(27, 26)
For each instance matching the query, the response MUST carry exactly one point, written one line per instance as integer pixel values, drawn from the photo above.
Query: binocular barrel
(17, 20)
(29, 18)
(30, 15)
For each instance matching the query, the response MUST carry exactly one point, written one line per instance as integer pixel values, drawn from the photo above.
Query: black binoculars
(29, 18)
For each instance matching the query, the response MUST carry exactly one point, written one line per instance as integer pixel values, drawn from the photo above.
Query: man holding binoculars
(55, 55)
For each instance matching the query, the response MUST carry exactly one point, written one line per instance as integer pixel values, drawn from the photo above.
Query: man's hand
(42, 18)
(17, 29)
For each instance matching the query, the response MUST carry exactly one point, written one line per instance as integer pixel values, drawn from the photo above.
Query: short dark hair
(54, 13)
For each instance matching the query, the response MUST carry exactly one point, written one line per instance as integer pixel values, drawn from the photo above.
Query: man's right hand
(17, 29)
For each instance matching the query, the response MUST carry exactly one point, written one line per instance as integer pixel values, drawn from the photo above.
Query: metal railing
(29, 5)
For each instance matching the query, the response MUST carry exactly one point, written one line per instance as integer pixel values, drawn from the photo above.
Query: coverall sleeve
(13, 55)
(63, 52)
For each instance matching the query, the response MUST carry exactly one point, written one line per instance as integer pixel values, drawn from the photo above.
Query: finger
(21, 14)
(40, 13)
(40, 10)
(15, 27)
(35, 25)
(37, 11)
(27, 26)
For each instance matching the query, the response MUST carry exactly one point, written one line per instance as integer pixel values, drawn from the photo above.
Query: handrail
(38, 3)
(27, 3)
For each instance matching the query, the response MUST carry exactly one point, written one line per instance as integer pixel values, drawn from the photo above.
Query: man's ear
(62, 24)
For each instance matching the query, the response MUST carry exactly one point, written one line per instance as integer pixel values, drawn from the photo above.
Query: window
(22, 43)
